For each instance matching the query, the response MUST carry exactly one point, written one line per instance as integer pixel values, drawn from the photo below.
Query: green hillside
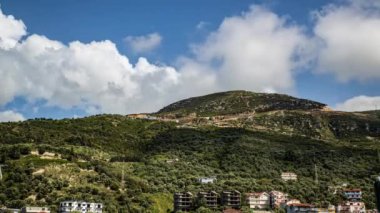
(235, 102)
(47, 161)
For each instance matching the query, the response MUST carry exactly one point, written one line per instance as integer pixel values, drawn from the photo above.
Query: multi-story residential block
(258, 200)
(277, 199)
(80, 206)
(211, 198)
(231, 199)
(183, 201)
(353, 194)
(286, 176)
(30, 209)
(301, 208)
(351, 207)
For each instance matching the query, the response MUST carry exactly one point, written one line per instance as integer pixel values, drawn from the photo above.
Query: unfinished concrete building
(231, 199)
(183, 201)
(210, 198)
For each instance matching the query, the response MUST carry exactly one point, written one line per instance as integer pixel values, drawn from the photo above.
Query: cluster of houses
(64, 207)
(264, 201)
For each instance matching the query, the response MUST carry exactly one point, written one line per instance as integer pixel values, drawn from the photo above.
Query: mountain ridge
(239, 101)
(135, 163)
(271, 112)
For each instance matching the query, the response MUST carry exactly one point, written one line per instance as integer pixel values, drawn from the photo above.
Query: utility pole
(1, 173)
(316, 173)
(122, 177)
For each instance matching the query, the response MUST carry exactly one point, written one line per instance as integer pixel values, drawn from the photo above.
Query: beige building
(258, 200)
(351, 207)
(277, 199)
(286, 176)
(30, 209)
(330, 209)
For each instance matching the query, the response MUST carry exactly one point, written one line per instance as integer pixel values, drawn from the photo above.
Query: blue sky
(313, 45)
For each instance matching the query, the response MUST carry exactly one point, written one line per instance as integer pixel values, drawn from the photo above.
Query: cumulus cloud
(350, 40)
(144, 43)
(360, 103)
(11, 31)
(10, 115)
(255, 51)
(94, 76)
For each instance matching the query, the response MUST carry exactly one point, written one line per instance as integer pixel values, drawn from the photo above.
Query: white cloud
(10, 115)
(360, 103)
(255, 51)
(11, 31)
(350, 40)
(202, 25)
(97, 78)
(94, 76)
(145, 43)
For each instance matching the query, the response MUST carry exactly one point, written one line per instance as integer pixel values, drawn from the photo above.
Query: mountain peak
(239, 101)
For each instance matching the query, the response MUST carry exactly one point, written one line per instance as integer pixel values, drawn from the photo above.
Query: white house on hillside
(353, 194)
(205, 180)
(30, 209)
(286, 176)
(80, 206)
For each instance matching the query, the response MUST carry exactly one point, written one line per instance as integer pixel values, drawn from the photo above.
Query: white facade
(80, 206)
(351, 207)
(353, 194)
(286, 176)
(35, 210)
(205, 180)
(259, 200)
(10, 210)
